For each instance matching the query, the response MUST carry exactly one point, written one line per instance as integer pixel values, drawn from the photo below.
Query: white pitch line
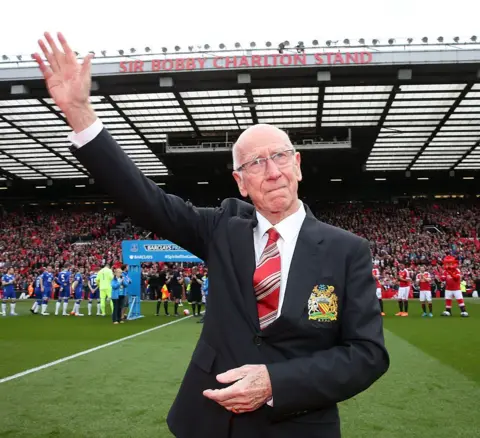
(91, 350)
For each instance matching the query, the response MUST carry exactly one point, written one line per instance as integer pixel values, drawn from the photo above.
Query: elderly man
(293, 325)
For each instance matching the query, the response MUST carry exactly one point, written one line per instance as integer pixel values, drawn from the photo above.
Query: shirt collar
(288, 228)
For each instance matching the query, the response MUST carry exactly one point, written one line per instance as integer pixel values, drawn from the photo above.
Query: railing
(203, 147)
(227, 146)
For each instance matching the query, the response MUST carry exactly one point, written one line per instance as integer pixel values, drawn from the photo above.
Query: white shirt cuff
(270, 402)
(81, 138)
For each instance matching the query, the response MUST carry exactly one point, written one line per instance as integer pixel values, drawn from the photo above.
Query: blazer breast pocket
(322, 306)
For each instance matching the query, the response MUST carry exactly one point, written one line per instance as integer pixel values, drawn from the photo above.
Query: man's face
(274, 188)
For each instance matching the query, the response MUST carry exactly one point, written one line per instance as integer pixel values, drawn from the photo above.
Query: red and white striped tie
(266, 280)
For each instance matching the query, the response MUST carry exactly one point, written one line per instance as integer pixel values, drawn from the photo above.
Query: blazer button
(257, 340)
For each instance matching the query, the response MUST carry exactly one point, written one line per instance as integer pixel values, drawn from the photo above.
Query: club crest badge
(323, 304)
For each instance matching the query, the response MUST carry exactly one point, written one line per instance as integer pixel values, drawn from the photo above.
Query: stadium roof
(352, 112)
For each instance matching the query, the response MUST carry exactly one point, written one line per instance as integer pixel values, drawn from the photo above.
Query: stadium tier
(414, 234)
(369, 122)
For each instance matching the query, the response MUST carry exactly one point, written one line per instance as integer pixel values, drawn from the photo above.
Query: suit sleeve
(331, 376)
(148, 205)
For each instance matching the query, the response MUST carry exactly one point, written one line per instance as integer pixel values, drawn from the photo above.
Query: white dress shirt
(288, 229)
(81, 138)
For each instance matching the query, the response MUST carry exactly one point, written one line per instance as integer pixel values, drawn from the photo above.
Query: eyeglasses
(258, 165)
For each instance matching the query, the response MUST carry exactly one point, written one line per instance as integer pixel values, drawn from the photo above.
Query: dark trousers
(117, 309)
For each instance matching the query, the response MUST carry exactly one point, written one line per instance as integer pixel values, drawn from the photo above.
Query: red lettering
(201, 61)
(190, 64)
(256, 61)
(339, 58)
(156, 64)
(352, 58)
(366, 58)
(123, 67)
(230, 61)
(318, 58)
(286, 59)
(300, 59)
(329, 58)
(216, 62)
(265, 61)
(180, 64)
(138, 65)
(275, 59)
(244, 62)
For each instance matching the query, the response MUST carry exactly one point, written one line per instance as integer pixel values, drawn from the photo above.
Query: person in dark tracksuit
(119, 283)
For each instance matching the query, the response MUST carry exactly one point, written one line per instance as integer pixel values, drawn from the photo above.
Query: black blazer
(312, 364)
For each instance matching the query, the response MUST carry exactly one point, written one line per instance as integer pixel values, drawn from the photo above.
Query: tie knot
(273, 235)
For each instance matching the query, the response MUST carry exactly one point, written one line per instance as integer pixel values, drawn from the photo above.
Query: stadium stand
(414, 233)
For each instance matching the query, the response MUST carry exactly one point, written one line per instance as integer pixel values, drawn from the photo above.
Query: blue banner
(135, 252)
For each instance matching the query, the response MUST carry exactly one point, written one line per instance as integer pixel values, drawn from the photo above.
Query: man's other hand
(68, 81)
(251, 390)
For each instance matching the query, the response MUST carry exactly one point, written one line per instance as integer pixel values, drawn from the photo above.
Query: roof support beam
(187, 113)
(43, 145)
(320, 103)
(465, 155)
(252, 105)
(131, 124)
(387, 107)
(442, 123)
(7, 174)
(24, 164)
(236, 118)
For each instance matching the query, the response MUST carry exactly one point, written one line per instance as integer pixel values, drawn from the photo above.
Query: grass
(431, 389)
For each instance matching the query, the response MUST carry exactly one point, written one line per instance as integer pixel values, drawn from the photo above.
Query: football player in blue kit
(37, 291)
(8, 293)
(63, 280)
(46, 285)
(77, 288)
(94, 293)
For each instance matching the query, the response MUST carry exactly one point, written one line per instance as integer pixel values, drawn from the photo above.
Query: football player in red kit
(376, 275)
(452, 276)
(403, 290)
(424, 280)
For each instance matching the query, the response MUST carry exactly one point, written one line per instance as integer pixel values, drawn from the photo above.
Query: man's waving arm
(69, 83)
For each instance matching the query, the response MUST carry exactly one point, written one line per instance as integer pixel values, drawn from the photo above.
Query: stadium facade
(371, 121)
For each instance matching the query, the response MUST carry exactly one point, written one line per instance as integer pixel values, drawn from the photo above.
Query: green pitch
(431, 390)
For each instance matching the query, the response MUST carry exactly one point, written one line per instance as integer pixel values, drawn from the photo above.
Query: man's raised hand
(68, 81)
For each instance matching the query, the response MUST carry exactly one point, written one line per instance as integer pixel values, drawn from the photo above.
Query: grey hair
(234, 158)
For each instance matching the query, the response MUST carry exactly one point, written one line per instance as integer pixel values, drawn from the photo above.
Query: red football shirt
(404, 276)
(376, 274)
(424, 285)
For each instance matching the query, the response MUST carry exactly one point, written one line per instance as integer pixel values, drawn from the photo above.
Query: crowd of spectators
(36, 239)
(413, 234)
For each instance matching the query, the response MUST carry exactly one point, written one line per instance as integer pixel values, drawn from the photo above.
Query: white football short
(425, 295)
(450, 294)
(379, 293)
(403, 293)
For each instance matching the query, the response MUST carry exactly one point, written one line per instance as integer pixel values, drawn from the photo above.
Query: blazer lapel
(242, 250)
(309, 264)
